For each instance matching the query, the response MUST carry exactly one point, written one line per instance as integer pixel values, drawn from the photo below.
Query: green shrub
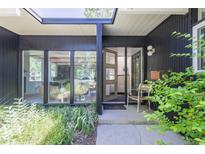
(29, 124)
(181, 104)
(180, 96)
(22, 123)
(84, 119)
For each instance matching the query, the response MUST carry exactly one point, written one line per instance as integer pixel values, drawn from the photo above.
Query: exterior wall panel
(124, 41)
(58, 43)
(8, 64)
(78, 42)
(160, 38)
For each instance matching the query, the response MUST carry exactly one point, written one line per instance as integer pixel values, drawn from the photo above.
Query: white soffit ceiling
(10, 12)
(128, 22)
(139, 22)
(25, 24)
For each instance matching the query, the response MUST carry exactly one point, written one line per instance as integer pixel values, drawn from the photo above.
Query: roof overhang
(128, 22)
(10, 12)
(72, 20)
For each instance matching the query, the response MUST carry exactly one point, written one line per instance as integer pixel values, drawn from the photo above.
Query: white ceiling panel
(139, 21)
(128, 22)
(25, 24)
(134, 24)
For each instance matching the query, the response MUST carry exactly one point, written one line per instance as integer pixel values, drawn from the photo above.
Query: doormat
(114, 107)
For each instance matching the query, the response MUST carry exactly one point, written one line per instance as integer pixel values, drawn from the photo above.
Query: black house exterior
(13, 47)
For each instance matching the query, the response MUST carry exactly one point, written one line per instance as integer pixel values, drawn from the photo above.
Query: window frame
(195, 51)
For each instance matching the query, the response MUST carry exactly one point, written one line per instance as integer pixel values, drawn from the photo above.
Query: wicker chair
(143, 88)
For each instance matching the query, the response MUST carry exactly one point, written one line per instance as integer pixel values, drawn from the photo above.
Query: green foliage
(198, 44)
(181, 104)
(98, 12)
(31, 124)
(85, 119)
(161, 142)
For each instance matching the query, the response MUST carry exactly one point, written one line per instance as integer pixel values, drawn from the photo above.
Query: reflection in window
(110, 89)
(110, 74)
(35, 69)
(110, 58)
(85, 77)
(33, 76)
(59, 77)
(201, 49)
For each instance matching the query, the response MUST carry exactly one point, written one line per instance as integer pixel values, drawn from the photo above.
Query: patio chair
(142, 89)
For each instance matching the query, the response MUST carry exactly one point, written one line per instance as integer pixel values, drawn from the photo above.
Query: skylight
(74, 12)
(73, 15)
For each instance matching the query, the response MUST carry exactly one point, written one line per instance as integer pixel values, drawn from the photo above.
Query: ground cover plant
(23, 123)
(180, 97)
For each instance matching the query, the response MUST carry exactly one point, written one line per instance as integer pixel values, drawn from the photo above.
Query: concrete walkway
(127, 127)
(128, 116)
(134, 135)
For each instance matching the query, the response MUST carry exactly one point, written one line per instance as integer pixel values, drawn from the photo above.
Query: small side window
(199, 46)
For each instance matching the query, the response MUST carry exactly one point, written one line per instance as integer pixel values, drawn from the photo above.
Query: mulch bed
(81, 139)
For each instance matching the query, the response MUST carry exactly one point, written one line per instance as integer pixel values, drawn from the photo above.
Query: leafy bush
(180, 96)
(31, 124)
(181, 104)
(85, 119)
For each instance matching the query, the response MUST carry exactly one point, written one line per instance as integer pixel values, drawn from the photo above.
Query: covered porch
(59, 44)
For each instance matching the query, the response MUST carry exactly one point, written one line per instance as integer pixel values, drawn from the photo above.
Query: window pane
(33, 78)
(110, 74)
(85, 77)
(201, 60)
(110, 58)
(110, 89)
(59, 77)
(74, 12)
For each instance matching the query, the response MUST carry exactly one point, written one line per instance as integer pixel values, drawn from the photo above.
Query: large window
(71, 77)
(85, 77)
(198, 46)
(33, 76)
(59, 77)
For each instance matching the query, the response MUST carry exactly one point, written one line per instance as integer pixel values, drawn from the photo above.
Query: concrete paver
(127, 134)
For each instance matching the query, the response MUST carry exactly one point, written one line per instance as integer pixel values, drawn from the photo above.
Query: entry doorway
(110, 72)
(122, 71)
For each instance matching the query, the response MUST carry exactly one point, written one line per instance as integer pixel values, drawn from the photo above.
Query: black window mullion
(45, 98)
(126, 75)
(72, 56)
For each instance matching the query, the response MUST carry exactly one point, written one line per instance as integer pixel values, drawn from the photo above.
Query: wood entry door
(109, 75)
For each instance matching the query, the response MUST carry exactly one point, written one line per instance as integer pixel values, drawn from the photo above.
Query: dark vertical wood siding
(78, 42)
(57, 43)
(160, 38)
(8, 64)
(124, 41)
